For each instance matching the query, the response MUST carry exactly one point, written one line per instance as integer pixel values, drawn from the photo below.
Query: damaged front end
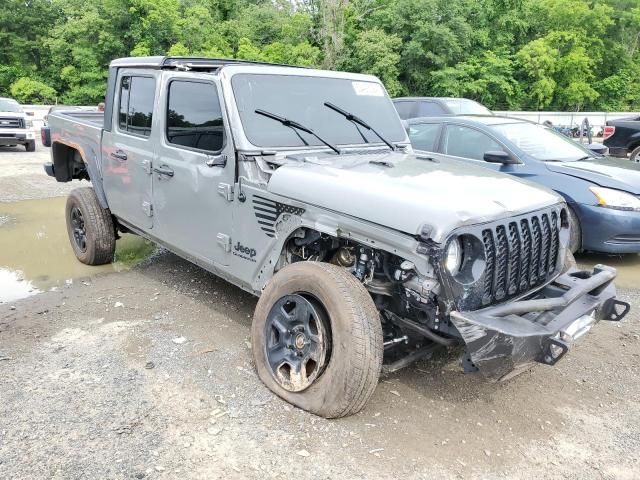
(503, 340)
(512, 300)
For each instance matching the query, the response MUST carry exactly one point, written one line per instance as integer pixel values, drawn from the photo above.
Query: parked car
(622, 137)
(300, 186)
(413, 107)
(603, 193)
(16, 128)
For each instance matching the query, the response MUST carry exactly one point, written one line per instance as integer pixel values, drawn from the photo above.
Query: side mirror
(598, 148)
(499, 157)
(30, 114)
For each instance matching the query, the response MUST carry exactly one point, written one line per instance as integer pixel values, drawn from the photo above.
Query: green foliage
(27, 90)
(528, 54)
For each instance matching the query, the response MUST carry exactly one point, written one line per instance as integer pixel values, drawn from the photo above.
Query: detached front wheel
(90, 228)
(317, 339)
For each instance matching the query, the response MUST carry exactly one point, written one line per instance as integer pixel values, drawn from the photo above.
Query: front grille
(520, 255)
(11, 122)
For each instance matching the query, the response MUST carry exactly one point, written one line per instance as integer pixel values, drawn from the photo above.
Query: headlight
(616, 199)
(453, 258)
(29, 123)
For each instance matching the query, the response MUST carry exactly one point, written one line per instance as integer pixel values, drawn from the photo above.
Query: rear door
(128, 149)
(193, 172)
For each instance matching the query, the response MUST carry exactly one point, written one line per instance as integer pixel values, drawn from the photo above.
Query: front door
(193, 172)
(128, 149)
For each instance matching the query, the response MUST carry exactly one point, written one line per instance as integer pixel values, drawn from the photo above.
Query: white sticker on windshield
(368, 88)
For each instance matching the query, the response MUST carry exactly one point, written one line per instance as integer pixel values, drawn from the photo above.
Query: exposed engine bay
(414, 324)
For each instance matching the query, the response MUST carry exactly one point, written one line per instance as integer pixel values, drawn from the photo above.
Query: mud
(35, 253)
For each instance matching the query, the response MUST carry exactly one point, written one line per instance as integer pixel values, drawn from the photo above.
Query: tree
(376, 52)
(27, 90)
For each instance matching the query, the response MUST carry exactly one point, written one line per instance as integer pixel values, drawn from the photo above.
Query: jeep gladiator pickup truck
(16, 128)
(300, 186)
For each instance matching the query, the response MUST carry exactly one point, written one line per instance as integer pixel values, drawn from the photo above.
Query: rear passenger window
(194, 116)
(135, 113)
(405, 109)
(428, 109)
(423, 136)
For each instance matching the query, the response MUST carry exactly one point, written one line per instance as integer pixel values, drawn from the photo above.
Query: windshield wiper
(296, 126)
(357, 121)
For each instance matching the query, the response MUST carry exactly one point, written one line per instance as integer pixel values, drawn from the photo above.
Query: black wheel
(575, 232)
(30, 146)
(90, 228)
(635, 155)
(317, 339)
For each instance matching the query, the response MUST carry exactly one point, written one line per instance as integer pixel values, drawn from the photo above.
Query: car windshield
(462, 106)
(542, 143)
(302, 99)
(10, 106)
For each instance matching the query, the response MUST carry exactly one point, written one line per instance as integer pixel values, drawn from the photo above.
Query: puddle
(628, 266)
(14, 287)
(35, 253)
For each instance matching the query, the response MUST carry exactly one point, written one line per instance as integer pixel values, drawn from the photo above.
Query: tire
(575, 232)
(90, 228)
(30, 146)
(354, 362)
(635, 155)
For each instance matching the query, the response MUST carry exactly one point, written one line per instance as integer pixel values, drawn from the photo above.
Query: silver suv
(301, 187)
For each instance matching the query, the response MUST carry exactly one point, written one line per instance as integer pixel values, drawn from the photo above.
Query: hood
(606, 172)
(13, 114)
(405, 191)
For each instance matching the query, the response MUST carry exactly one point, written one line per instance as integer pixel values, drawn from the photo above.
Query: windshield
(542, 143)
(10, 106)
(462, 106)
(302, 99)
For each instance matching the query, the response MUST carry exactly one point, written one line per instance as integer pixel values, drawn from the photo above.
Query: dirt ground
(147, 373)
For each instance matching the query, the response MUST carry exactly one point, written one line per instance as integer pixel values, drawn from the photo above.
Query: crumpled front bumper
(506, 339)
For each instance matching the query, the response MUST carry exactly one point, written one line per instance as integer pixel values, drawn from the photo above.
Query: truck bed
(79, 128)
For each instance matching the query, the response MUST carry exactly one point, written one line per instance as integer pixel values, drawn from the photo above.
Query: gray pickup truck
(300, 186)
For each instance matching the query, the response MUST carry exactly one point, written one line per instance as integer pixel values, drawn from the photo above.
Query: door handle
(163, 170)
(119, 154)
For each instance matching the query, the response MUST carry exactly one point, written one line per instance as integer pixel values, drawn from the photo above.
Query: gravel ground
(22, 176)
(147, 374)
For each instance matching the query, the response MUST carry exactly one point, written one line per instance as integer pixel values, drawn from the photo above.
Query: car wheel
(30, 146)
(575, 232)
(90, 228)
(317, 339)
(635, 155)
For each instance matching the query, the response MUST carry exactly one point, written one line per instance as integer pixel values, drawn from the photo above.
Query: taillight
(608, 131)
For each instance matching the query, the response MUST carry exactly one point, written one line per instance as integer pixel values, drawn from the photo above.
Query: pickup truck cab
(16, 128)
(300, 186)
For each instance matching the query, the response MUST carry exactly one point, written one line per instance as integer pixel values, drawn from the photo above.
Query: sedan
(603, 193)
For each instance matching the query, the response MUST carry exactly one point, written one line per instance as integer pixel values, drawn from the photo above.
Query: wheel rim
(297, 341)
(78, 229)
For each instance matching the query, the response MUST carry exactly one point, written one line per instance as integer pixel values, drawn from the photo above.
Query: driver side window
(468, 142)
